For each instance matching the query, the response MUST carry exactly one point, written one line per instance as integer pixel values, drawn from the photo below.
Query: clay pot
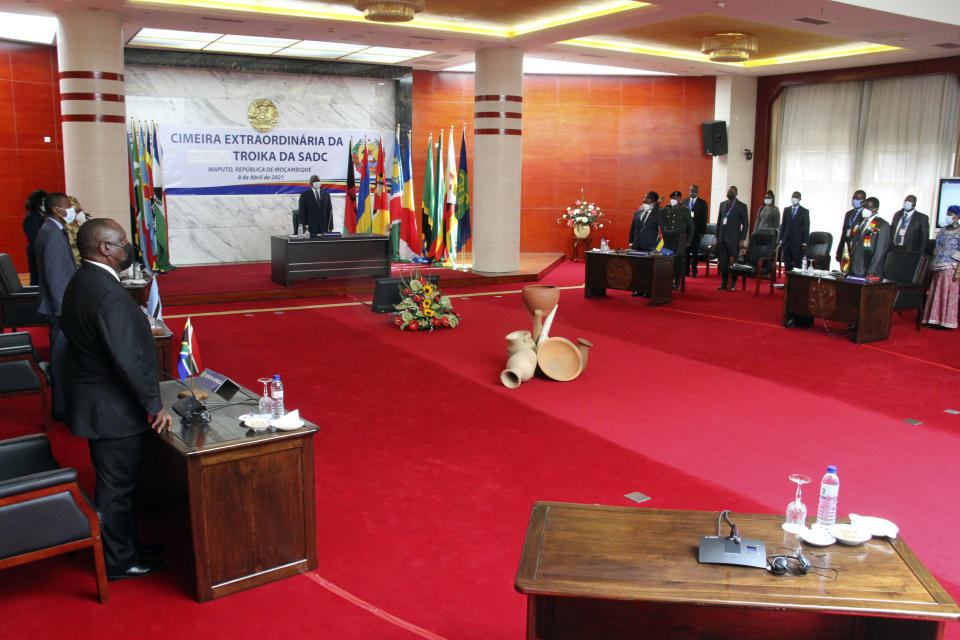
(581, 230)
(517, 340)
(540, 296)
(520, 368)
(584, 346)
(559, 359)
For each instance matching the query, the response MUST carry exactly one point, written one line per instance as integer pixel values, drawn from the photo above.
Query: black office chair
(676, 241)
(18, 304)
(22, 372)
(43, 511)
(819, 244)
(707, 250)
(758, 262)
(908, 269)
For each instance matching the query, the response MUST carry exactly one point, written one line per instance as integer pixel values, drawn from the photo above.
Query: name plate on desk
(218, 383)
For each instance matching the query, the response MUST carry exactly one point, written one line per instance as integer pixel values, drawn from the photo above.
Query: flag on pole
(450, 206)
(426, 205)
(463, 196)
(364, 201)
(142, 236)
(410, 244)
(440, 188)
(189, 363)
(145, 182)
(381, 198)
(154, 306)
(350, 203)
(159, 206)
(396, 197)
(659, 239)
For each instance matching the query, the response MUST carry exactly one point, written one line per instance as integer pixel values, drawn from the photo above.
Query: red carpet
(426, 474)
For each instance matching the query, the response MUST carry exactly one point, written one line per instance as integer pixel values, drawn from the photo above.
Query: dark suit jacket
(862, 263)
(847, 217)
(31, 227)
(700, 211)
(316, 214)
(644, 237)
(918, 231)
(732, 229)
(112, 369)
(795, 229)
(55, 266)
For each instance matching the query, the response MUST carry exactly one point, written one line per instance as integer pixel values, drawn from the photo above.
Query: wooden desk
(251, 495)
(868, 306)
(626, 572)
(652, 274)
(356, 254)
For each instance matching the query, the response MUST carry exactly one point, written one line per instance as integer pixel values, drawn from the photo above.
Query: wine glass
(266, 404)
(796, 510)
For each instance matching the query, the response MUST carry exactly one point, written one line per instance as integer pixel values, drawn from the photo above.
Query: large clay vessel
(517, 340)
(581, 230)
(540, 296)
(520, 368)
(559, 359)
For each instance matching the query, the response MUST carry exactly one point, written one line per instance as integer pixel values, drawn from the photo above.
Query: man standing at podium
(113, 395)
(314, 210)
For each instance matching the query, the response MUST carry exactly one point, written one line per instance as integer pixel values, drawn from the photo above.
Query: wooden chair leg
(101, 569)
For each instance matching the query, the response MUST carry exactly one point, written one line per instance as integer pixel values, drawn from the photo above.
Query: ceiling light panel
(390, 51)
(26, 28)
(226, 47)
(316, 45)
(173, 34)
(363, 56)
(167, 43)
(257, 41)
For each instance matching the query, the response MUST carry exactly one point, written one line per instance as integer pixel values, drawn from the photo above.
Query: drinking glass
(796, 510)
(265, 406)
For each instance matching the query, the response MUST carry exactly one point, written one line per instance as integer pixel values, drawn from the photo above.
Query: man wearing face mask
(645, 228)
(314, 210)
(733, 222)
(701, 211)
(910, 229)
(850, 220)
(677, 228)
(55, 267)
(113, 396)
(865, 252)
(794, 231)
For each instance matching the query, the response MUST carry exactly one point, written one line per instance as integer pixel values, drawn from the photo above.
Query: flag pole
(463, 252)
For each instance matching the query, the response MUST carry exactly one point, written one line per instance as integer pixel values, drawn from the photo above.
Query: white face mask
(795, 201)
(768, 201)
(647, 206)
(69, 215)
(315, 185)
(673, 202)
(907, 206)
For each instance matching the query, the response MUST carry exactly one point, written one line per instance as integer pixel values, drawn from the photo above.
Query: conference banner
(243, 161)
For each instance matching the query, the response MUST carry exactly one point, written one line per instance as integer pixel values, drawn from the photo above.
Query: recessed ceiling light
(363, 56)
(391, 51)
(226, 47)
(27, 28)
(167, 43)
(316, 45)
(173, 34)
(257, 41)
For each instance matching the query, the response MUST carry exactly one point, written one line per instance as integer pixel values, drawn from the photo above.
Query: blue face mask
(856, 203)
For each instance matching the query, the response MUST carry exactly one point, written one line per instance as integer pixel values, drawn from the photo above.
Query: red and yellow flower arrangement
(423, 307)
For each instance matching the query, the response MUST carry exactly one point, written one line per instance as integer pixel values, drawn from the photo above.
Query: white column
(735, 104)
(93, 111)
(497, 159)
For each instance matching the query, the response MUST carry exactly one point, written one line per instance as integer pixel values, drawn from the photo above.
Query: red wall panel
(614, 137)
(28, 94)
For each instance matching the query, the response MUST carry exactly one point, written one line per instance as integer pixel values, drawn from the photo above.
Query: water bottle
(829, 489)
(276, 397)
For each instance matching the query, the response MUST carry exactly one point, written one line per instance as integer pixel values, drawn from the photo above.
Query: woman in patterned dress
(942, 298)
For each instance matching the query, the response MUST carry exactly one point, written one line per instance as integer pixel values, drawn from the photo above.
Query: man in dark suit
(31, 227)
(314, 210)
(55, 267)
(700, 209)
(113, 397)
(910, 229)
(794, 231)
(850, 220)
(645, 228)
(868, 247)
(733, 221)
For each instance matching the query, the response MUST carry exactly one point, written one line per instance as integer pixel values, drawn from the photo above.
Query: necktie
(66, 236)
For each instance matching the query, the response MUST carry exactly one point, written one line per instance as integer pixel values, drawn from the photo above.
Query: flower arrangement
(424, 307)
(583, 212)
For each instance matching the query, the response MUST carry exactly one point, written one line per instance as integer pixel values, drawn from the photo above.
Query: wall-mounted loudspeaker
(715, 138)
